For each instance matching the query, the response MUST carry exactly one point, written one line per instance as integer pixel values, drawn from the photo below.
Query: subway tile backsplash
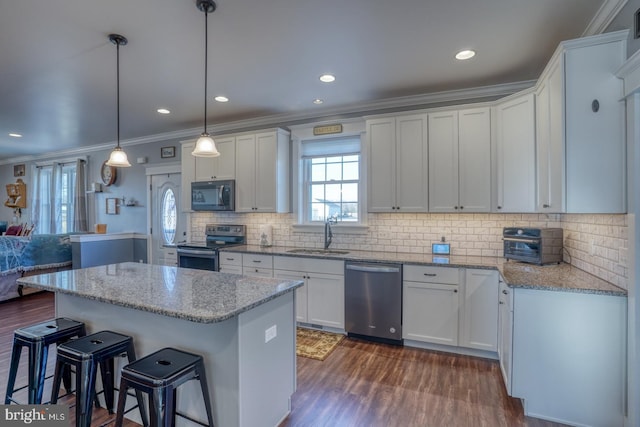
(596, 244)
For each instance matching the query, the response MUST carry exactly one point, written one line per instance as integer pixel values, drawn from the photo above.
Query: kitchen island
(244, 327)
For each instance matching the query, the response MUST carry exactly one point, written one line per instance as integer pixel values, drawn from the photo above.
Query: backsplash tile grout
(595, 243)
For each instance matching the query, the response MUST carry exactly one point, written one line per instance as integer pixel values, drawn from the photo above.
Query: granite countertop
(556, 277)
(195, 295)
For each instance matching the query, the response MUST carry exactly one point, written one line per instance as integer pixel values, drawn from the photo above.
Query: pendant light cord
(118, 89)
(206, 49)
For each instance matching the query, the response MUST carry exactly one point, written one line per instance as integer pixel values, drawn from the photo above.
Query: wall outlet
(270, 333)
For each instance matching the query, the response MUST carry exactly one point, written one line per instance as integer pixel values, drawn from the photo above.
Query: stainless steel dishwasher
(373, 301)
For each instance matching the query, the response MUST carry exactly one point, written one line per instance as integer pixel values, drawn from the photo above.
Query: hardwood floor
(359, 384)
(367, 384)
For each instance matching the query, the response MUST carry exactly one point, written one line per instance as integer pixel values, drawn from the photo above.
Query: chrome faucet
(328, 235)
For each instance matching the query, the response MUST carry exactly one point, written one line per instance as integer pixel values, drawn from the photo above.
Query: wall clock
(108, 174)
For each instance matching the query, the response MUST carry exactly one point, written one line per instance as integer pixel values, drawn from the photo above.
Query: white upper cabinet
(221, 167)
(397, 155)
(460, 160)
(187, 175)
(580, 128)
(262, 172)
(515, 155)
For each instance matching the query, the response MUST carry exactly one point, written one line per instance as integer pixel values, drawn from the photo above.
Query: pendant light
(205, 146)
(118, 157)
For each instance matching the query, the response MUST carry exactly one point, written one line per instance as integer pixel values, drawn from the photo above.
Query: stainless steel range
(204, 256)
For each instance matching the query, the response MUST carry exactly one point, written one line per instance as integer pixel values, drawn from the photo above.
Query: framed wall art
(167, 152)
(19, 170)
(112, 206)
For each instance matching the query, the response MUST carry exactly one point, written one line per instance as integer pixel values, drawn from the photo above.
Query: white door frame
(163, 169)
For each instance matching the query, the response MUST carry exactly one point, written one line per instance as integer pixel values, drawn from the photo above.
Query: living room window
(331, 180)
(54, 198)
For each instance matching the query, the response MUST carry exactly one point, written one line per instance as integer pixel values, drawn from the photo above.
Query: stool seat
(37, 338)
(163, 367)
(96, 346)
(86, 354)
(159, 374)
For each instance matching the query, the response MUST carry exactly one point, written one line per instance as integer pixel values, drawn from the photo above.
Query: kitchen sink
(317, 251)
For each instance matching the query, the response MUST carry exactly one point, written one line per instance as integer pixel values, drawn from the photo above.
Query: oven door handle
(195, 252)
(517, 240)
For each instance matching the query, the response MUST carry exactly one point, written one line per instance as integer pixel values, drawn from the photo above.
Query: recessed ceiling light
(221, 98)
(465, 54)
(327, 78)
(163, 111)
(318, 101)
(15, 135)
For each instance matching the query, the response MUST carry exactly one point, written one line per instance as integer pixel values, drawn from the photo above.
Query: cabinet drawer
(228, 258)
(254, 260)
(309, 265)
(257, 271)
(429, 274)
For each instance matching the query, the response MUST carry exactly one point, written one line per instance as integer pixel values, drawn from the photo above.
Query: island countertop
(195, 295)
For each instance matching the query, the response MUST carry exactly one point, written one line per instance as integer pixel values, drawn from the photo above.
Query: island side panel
(267, 362)
(216, 342)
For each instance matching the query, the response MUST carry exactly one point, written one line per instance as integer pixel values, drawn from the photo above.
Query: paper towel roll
(266, 235)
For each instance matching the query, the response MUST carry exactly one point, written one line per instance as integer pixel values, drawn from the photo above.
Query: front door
(167, 225)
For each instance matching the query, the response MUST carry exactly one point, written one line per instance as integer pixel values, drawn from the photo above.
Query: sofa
(25, 256)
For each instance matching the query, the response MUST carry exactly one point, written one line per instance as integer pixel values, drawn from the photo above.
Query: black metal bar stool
(159, 375)
(85, 354)
(37, 338)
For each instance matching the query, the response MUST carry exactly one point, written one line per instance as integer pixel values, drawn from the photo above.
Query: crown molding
(316, 115)
(604, 16)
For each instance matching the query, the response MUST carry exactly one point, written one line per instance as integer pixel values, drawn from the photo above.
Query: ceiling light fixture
(163, 111)
(205, 146)
(118, 157)
(465, 54)
(327, 78)
(318, 101)
(15, 135)
(221, 98)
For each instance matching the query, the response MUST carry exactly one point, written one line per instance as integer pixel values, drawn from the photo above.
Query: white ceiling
(58, 68)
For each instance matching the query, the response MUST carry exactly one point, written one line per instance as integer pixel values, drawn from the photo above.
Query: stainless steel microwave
(213, 195)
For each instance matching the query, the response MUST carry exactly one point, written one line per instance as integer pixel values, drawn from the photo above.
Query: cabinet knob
(499, 207)
(505, 292)
(461, 207)
(398, 207)
(546, 206)
(501, 302)
(455, 207)
(455, 291)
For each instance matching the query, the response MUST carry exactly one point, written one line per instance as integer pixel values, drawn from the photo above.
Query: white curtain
(80, 198)
(55, 204)
(35, 199)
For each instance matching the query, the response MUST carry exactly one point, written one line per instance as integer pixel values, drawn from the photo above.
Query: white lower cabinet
(320, 301)
(230, 262)
(569, 356)
(451, 306)
(430, 304)
(505, 333)
(257, 265)
(479, 310)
